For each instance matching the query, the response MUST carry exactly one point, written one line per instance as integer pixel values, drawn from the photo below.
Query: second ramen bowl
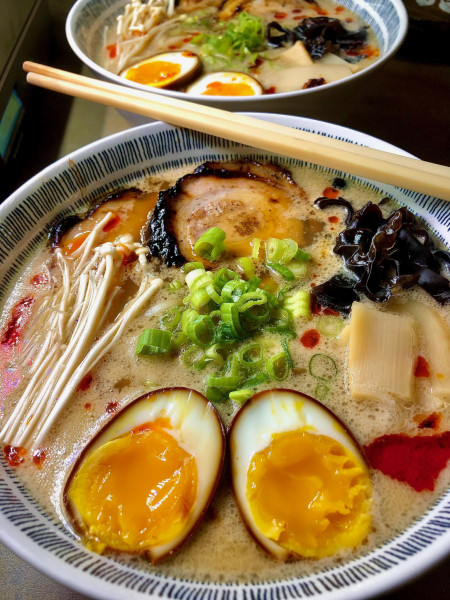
(85, 30)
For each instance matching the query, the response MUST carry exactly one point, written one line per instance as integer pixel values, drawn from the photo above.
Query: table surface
(407, 104)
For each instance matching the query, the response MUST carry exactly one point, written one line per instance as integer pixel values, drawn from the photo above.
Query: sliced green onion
(250, 299)
(271, 299)
(198, 278)
(322, 367)
(298, 268)
(188, 316)
(200, 298)
(171, 318)
(212, 293)
(224, 333)
(153, 341)
(274, 250)
(241, 396)
(302, 255)
(285, 273)
(299, 304)
(330, 325)
(233, 368)
(178, 339)
(233, 289)
(201, 330)
(277, 367)
(251, 355)
(281, 322)
(174, 286)
(288, 353)
(247, 266)
(230, 316)
(194, 358)
(223, 276)
(225, 382)
(253, 284)
(216, 354)
(256, 380)
(290, 247)
(256, 245)
(190, 266)
(321, 391)
(214, 394)
(211, 244)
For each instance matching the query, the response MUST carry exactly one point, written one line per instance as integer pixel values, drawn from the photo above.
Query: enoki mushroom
(66, 340)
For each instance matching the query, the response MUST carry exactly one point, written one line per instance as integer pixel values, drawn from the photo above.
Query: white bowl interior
(30, 531)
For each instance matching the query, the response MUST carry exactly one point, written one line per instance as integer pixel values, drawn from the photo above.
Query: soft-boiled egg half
(299, 479)
(145, 480)
(170, 69)
(225, 83)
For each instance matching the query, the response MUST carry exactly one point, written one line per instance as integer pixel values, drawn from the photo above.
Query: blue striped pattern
(24, 222)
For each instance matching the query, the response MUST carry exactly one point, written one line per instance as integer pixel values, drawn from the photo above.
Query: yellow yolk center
(309, 494)
(135, 492)
(157, 73)
(217, 88)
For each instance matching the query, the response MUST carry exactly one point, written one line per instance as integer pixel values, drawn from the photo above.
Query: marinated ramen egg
(145, 480)
(225, 83)
(299, 479)
(170, 69)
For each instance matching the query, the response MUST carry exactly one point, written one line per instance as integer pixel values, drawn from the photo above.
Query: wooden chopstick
(409, 173)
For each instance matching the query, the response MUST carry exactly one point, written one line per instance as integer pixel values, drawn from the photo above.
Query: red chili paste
(310, 338)
(415, 460)
(15, 455)
(330, 192)
(111, 407)
(112, 50)
(422, 369)
(85, 383)
(38, 457)
(430, 422)
(39, 279)
(19, 316)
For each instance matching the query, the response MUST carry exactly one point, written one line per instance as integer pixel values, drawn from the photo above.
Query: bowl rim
(65, 574)
(264, 98)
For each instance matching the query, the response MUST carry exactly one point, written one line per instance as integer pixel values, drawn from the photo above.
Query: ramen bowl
(85, 29)
(35, 533)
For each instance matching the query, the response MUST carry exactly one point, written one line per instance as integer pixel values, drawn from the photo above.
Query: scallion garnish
(153, 341)
(211, 244)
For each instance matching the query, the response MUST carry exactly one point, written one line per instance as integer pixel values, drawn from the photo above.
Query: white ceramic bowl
(87, 19)
(30, 531)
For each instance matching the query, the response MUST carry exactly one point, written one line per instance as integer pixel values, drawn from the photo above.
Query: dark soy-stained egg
(299, 479)
(145, 480)
(170, 69)
(225, 83)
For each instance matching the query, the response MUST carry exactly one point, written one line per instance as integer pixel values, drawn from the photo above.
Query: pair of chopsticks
(408, 173)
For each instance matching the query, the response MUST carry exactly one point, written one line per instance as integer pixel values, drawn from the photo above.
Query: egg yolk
(218, 88)
(156, 73)
(135, 492)
(309, 494)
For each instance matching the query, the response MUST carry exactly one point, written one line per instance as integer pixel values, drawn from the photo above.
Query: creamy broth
(216, 551)
(276, 65)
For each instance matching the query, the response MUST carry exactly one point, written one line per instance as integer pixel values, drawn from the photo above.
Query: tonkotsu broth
(273, 70)
(222, 550)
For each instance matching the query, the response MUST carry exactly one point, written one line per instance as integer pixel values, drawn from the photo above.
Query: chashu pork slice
(246, 199)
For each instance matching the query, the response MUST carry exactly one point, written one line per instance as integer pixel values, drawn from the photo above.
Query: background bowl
(30, 531)
(87, 19)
